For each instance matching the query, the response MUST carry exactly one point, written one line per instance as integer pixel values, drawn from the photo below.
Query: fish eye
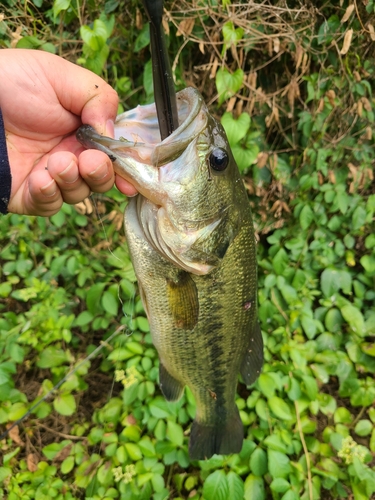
(218, 159)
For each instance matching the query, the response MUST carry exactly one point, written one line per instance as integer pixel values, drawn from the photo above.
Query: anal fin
(171, 388)
(253, 360)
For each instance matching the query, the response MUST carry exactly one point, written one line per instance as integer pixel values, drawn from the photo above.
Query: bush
(292, 83)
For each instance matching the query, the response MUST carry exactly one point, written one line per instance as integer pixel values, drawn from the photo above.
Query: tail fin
(222, 438)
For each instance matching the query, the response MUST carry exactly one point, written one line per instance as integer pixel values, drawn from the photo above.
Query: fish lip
(153, 152)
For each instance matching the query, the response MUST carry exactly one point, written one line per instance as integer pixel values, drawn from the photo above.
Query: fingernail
(110, 128)
(67, 173)
(100, 172)
(49, 189)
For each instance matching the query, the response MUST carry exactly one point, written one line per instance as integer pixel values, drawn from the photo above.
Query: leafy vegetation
(294, 86)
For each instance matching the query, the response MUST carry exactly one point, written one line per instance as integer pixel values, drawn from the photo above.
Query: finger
(125, 187)
(38, 195)
(63, 168)
(96, 169)
(84, 94)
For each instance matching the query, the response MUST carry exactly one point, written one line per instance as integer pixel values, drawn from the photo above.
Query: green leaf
(268, 387)
(254, 488)
(368, 262)
(363, 428)
(279, 485)
(235, 486)
(236, 129)
(228, 83)
(358, 218)
(65, 404)
(134, 451)
(29, 42)
(83, 319)
(96, 37)
(143, 39)
(93, 298)
(354, 318)
(59, 5)
(258, 462)
(110, 303)
(280, 408)
(280, 261)
(216, 486)
(67, 465)
(52, 357)
(245, 156)
(159, 408)
(278, 464)
(330, 282)
(306, 217)
(175, 433)
(232, 35)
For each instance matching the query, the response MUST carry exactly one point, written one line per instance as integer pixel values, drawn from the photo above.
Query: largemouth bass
(191, 240)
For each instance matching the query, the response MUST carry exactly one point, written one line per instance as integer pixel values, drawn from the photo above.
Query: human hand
(44, 99)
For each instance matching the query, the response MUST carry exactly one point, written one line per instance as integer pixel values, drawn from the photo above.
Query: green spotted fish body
(191, 239)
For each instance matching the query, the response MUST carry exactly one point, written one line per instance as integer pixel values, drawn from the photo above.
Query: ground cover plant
(293, 85)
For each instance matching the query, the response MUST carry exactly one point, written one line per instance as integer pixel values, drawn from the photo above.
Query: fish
(191, 240)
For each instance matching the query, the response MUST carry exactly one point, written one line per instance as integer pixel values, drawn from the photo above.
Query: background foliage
(293, 84)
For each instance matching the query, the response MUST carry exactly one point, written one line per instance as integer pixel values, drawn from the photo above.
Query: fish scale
(190, 235)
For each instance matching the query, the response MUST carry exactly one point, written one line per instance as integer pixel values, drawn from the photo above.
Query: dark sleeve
(5, 176)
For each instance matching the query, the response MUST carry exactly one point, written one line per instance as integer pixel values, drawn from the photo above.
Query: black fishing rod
(164, 91)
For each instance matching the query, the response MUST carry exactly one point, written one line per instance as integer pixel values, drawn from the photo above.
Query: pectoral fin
(171, 388)
(253, 360)
(183, 301)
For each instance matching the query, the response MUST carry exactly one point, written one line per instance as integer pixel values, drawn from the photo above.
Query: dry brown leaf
(372, 32)
(262, 159)
(231, 103)
(14, 435)
(353, 170)
(239, 107)
(276, 45)
(347, 41)
(366, 103)
(138, 20)
(348, 13)
(320, 178)
(331, 177)
(357, 76)
(252, 79)
(214, 68)
(16, 37)
(285, 207)
(32, 462)
(298, 55)
(359, 108)
(165, 25)
(63, 453)
(80, 208)
(331, 97)
(185, 27)
(370, 173)
(270, 47)
(368, 133)
(88, 204)
(320, 106)
(201, 47)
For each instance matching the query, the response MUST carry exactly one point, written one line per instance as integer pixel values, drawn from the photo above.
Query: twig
(65, 436)
(308, 464)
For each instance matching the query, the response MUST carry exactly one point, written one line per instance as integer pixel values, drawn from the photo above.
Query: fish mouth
(137, 133)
